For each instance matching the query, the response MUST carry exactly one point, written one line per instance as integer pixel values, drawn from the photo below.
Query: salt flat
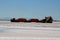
(29, 31)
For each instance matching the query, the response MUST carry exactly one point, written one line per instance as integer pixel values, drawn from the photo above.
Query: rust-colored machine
(48, 19)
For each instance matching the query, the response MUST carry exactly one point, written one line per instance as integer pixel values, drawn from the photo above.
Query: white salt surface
(29, 31)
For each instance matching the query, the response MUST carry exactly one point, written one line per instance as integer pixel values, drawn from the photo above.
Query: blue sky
(30, 8)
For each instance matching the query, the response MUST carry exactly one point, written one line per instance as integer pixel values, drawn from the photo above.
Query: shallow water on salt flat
(8, 29)
(7, 25)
